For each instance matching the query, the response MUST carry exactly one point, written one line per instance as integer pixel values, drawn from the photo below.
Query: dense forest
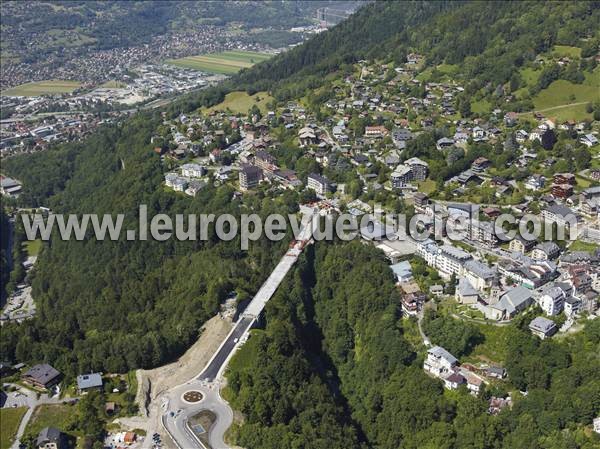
(332, 369)
(117, 305)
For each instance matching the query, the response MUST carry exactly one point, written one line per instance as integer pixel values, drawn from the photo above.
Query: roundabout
(192, 396)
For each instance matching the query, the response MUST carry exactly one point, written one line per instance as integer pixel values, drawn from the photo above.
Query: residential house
(589, 140)
(41, 376)
(535, 182)
(51, 438)
(572, 306)
(194, 187)
(265, 161)
(87, 382)
(454, 380)
(542, 327)
(439, 362)
(402, 271)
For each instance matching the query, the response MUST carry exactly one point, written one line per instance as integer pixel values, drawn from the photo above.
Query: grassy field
(481, 106)
(579, 245)
(32, 247)
(493, 348)
(10, 418)
(113, 85)
(530, 75)
(240, 102)
(43, 88)
(565, 50)
(225, 63)
(563, 92)
(59, 416)
(428, 186)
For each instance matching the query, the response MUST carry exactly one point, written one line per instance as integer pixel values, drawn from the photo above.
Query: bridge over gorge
(239, 332)
(176, 411)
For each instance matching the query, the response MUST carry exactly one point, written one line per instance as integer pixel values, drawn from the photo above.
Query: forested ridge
(332, 369)
(491, 41)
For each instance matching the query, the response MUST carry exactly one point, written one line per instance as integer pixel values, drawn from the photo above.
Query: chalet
(562, 191)
(564, 178)
(307, 136)
(521, 136)
(413, 302)
(265, 161)
(591, 193)
(420, 199)
(480, 164)
(444, 143)
(468, 176)
(41, 376)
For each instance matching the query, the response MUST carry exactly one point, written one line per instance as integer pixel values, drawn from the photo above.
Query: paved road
(212, 369)
(27, 398)
(177, 412)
